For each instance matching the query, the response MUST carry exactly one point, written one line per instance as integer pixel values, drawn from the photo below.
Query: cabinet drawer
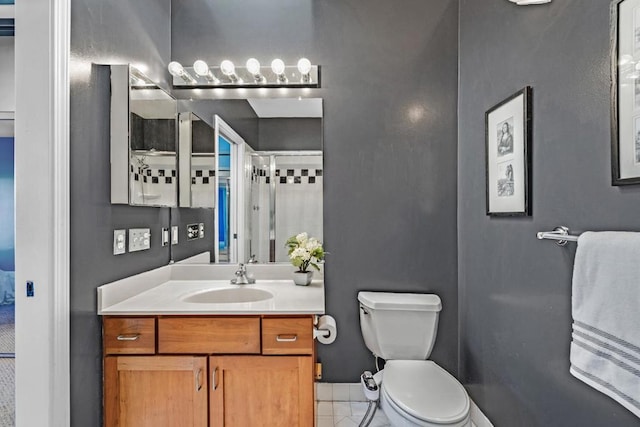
(129, 335)
(287, 335)
(201, 335)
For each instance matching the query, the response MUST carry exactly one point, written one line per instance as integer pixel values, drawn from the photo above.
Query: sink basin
(229, 296)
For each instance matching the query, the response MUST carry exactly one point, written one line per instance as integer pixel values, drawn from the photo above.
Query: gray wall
(290, 134)
(106, 31)
(515, 290)
(389, 76)
(237, 113)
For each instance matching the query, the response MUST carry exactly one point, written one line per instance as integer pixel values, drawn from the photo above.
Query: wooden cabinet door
(255, 391)
(155, 391)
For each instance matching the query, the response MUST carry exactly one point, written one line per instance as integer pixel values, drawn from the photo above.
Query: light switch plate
(139, 239)
(119, 242)
(165, 236)
(174, 235)
(201, 230)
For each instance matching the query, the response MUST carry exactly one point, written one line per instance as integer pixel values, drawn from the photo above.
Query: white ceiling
(286, 107)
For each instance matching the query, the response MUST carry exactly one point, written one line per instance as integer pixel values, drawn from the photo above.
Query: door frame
(42, 212)
(236, 208)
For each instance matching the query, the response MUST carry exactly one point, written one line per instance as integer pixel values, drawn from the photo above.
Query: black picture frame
(625, 92)
(508, 155)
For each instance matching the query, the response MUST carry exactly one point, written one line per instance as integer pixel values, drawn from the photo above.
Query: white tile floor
(344, 405)
(346, 414)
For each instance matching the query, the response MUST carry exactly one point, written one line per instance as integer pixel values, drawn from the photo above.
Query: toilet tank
(399, 326)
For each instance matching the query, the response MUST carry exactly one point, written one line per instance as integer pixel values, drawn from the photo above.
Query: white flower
(312, 244)
(301, 253)
(304, 251)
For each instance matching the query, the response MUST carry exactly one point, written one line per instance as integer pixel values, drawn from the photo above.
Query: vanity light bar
(138, 79)
(228, 75)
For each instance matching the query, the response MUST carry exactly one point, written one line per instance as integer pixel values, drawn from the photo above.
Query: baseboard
(478, 418)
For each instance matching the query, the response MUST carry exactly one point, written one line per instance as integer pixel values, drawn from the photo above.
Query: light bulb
(253, 66)
(277, 66)
(201, 68)
(304, 66)
(175, 68)
(227, 68)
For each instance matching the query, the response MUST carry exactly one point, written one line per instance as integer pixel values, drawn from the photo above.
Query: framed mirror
(269, 174)
(143, 140)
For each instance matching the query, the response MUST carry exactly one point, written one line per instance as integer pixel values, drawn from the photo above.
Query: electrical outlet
(139, 239)
(193, 231)
(201, 230)
(119, 242)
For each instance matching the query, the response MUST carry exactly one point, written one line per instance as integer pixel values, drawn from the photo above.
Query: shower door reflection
(224, 199)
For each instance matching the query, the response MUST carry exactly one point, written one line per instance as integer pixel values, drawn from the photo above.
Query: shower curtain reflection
(286, 199)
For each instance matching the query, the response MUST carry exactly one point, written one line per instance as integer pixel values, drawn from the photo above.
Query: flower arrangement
(305, 251)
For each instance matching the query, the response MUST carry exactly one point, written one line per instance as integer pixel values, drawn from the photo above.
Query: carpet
(7, 392)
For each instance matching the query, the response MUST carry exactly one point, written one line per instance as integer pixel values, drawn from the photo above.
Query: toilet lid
(425, 390)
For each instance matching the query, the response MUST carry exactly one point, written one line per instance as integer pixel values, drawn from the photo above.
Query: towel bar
(560, 234)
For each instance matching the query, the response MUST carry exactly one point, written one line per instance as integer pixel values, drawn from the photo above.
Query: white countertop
(167, 298)
(162, 291)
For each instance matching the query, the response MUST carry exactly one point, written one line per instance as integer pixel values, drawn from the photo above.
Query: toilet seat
(425, 391)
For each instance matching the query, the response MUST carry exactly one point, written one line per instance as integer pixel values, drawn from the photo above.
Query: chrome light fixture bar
(253, 75)
(138, 79)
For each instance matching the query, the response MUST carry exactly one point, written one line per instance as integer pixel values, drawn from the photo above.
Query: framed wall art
(625, 92)
(508, 155)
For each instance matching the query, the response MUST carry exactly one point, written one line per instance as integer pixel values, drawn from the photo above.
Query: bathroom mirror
(197, 162)
(269, 175)
(143, 140)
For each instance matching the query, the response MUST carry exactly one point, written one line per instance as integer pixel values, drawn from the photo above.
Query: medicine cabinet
(144, 168)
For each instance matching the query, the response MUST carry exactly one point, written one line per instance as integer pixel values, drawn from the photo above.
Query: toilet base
(399, 418)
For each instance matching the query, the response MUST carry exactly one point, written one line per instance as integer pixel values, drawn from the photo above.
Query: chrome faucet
(241, 276)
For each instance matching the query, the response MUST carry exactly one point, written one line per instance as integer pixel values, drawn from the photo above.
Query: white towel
(605, 349)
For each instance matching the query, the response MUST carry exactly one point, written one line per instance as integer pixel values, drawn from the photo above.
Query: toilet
(401, 328)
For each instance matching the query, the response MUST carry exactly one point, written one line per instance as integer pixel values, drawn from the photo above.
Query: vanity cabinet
(154, 391)
(231, 371)
(270, 391)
